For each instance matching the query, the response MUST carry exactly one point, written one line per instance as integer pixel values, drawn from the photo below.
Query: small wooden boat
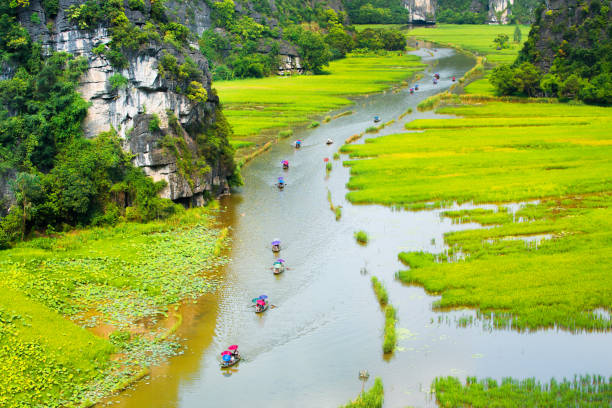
(416, 87)
(285, 165)
(329, 141)
(276, 246)
(376, 119)
(280, 185)
(265, 307)
(230, 363)
(278, 267)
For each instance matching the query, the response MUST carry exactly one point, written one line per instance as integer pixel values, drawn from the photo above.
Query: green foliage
(582, 391)
(154, 123)
(522, 80)
(117, 81)
(416, 259)
(196, 92)
(373, 398)
(390, 334)
(518, 35)
(313, 125)
(380, 290)
(377, 11)
(35, 18)
(51, 7)
(223, 13)
(137, 5)
(313, 50)
(501, 41)
(379, 39)
(361, 237)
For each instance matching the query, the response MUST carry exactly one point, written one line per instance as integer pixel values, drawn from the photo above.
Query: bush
(361, 237)
(154, 123)
(117, 81)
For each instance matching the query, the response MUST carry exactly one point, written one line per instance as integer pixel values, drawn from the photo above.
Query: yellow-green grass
(560, 281)
(481, 86)
(390, 334)
(361, 27)
(102, 277)
(380, 290)
(256, 105)
(373, 398)
(583, 391)
(474, 38)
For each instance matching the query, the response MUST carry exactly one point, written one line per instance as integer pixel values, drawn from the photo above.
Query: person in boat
(281, 182)
(285, 164)
(275, 246)
(298, 144)
(416, 87)
(235, 354)
(411, 90)
(453, 79)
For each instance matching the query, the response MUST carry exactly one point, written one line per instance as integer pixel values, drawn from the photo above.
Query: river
(327, 324)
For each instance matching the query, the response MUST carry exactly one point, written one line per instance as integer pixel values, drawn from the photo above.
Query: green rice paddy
(475, 38)
(502, 153)
(583, 391)
(106, 279)
(256, 105)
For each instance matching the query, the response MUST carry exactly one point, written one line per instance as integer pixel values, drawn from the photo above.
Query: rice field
(255, 105)
(475, 38)
(545, 265)
(581, 391)
(69, 302)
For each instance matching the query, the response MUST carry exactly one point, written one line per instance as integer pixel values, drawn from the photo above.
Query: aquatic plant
(338, 212)
(328, 166)
(372, 129)
(336, 156)
(352, 138)
(327, 119)
(361, 237)
(390, 335)
(581, 391)
(380, 290)
(341, 114)
(407, 112)
(373, 398)
(285, 133)
(313, 125)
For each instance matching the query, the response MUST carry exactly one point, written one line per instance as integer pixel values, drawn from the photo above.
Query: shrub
(313, 125)
(361, 237)
(117, 81)
(154, 123)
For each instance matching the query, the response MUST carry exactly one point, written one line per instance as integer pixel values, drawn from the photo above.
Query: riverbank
(258, 109)
(86, 312)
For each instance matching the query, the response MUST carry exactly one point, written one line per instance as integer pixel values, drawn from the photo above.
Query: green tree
(517, 35)
(501, 41)
(339, 41)
(314, 51)
(223, 13)
(26, 188)
(527, 78)
(503, 79)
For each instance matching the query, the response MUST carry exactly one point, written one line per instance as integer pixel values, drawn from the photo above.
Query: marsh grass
(328, 166)
(241, 144)
(390, 335)
(380, 290)
(361, 237)
(582, 391)
(313, 125)
(407, 112)
(285, 133)
(353, 138)
(373, 398)
(341, 114)
(336, 156)
(518, 282)
(372, 129)
(337, 210)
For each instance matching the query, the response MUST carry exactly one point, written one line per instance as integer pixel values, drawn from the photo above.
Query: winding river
(327, 324)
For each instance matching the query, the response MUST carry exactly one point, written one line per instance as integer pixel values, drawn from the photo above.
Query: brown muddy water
(327, 324)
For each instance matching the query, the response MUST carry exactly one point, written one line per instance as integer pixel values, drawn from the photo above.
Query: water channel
(327, 324)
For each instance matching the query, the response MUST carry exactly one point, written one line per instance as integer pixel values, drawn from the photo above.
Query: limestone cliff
(499, 11)
(421, 11)
(146, 94)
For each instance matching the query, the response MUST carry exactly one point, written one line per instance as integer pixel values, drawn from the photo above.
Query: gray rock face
(421, 11)
(499, 11)
(145, 94)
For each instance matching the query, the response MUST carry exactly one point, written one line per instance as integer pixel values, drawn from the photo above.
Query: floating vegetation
(313, 125)
(372, 129)
(582, 391)
(285, 133)
(336, 156)
(345, 113)
(407, 112)
(390, 335)
(361, 237)
(327, 119)
(337, 210)
(373, 398)
(380, 290)
(328, 166)
(480, 215)
(353, 138)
